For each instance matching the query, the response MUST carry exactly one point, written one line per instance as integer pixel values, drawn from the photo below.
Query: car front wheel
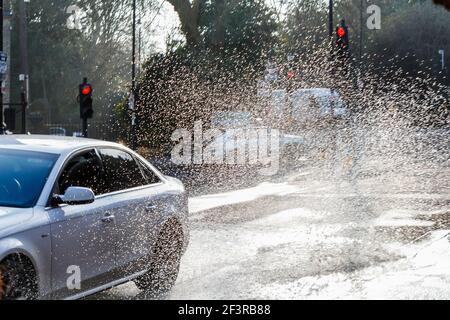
(17, 279)
(165, 265)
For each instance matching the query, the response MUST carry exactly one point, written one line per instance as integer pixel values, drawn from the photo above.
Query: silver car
(79, 216)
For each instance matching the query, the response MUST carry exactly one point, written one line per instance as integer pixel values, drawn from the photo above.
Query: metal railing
(101, 130)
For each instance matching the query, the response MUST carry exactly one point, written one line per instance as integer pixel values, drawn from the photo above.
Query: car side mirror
(75, 196)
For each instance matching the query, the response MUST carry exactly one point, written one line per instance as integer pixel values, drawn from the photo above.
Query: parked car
(77, 134)
(78, 216)
(232, 120)
(58, 131)
(241, 138)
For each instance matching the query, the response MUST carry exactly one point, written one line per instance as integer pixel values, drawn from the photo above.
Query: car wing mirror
(76, 196)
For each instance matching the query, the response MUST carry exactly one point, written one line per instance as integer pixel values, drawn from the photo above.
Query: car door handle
(108, 219)
(151, 207)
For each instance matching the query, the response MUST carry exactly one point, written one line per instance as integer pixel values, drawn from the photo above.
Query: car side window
(122, 170)
(150, 176)
(83, 170)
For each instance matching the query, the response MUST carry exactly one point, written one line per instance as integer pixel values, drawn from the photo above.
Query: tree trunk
(219, 32)
(189, 15)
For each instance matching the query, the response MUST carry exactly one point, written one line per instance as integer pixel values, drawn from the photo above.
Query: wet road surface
(307, 236)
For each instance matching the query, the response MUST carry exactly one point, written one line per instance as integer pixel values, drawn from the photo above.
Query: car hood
(292, 139)
(13, 219)
(285, 139)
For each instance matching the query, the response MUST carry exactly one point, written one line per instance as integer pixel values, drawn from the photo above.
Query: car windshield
(328, 101)
(22, 176)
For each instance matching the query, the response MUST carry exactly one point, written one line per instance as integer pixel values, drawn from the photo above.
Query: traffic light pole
(24, 105)
(85, 127)
(84, 119)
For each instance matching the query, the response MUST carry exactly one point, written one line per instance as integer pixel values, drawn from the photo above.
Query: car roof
(49, 144)
(315, 91)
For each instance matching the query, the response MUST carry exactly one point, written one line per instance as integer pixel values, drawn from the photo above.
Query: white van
(310, 105)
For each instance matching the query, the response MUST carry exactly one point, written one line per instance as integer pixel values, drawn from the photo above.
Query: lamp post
(361, 31)
(330, 18)
(132, 98)
(2, 125)
(24, 67)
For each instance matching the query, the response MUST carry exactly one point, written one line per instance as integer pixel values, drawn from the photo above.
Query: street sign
(442, 53)
(3, 65)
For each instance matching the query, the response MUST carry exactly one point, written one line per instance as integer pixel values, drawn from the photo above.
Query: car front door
(135, 194)
(83, 237)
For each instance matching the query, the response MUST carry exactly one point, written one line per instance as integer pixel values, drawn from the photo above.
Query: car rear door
(135, 194)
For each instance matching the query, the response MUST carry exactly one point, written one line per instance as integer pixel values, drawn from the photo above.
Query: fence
(107, 131)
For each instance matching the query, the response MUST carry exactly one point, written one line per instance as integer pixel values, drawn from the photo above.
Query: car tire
(165, 264)
(17, 279)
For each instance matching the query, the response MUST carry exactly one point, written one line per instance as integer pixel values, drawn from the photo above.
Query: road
(312, 234)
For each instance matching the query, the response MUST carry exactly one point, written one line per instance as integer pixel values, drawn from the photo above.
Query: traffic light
(291, 75)
(86, 101)
(342, 37)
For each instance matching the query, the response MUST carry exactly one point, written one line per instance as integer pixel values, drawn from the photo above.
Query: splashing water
(390, 151)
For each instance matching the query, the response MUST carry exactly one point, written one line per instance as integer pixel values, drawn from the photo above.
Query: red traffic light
(341, 32)
(86, 90)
